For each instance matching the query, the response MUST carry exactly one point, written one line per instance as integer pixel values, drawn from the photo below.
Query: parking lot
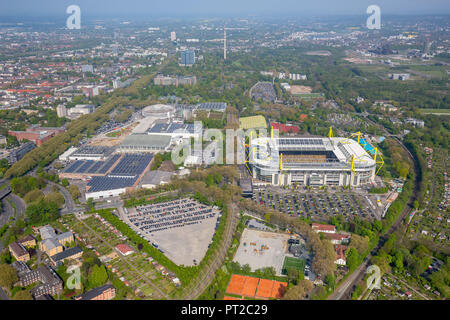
(319, 206)
(182, 229)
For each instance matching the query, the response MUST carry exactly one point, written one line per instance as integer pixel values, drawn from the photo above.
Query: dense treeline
(22, 186)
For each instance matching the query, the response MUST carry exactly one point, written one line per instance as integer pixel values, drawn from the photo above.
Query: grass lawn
(295, 263)
(436, 111)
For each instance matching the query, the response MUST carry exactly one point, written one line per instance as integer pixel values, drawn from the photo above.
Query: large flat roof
(343, 148)
(252, 122)
(145, 140)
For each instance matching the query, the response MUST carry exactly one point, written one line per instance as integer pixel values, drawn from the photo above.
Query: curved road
(8, 210)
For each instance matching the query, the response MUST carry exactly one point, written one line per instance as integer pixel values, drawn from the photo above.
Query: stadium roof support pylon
(281, 163)
(377, 156)
(380, 162)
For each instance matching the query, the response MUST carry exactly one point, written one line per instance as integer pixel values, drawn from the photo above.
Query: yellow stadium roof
(252, 122)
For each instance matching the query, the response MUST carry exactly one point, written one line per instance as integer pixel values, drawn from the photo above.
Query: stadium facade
(310, 161)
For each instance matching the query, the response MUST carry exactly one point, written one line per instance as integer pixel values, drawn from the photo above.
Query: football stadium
(311, 161)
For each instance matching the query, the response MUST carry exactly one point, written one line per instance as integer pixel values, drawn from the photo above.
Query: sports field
(436, 111)
(294, 263)
(253, 287)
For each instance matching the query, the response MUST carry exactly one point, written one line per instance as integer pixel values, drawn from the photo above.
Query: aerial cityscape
(224, 153)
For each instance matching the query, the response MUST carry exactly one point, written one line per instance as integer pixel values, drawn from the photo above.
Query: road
(69, 204)
(8, 210)
(343, 292)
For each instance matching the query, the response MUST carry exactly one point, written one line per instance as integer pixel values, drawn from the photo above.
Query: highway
(343, 292)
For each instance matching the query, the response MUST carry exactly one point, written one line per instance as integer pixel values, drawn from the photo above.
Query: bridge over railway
(4, 191)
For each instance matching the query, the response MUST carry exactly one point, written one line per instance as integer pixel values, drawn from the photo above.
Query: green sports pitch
(294, 263)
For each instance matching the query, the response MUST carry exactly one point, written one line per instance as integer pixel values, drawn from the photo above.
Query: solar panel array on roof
(92, 150)
(171, 128)
(110, 183)
(73, 166)
(216, 106)
(132, 165)
(108, 164)
(84, 167)
(305, 142)
(96, 166)
(91, 166)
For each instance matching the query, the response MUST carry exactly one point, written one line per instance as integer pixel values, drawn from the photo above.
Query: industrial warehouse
(112, 177)
(312, 161)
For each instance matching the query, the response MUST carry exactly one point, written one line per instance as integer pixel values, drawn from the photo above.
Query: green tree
(65, 182)
(8, 276)
(98, 276)
(352, 259)
(33, 196)
(292, 275)
(246, 268)
(330, 280)
(23, 295)
(74, 191)
(299, 291)
(398, 261)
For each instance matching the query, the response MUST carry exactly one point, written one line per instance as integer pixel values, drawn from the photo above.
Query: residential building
(68, 254)
(415, 122)
(19, 252)
(326, 228)
(106, 292)
(28, 242)
(187, 58)
(20, 152)
(53, 243)
(124, 249)
(51, 283)
(61, 111)
(340, 254)
(87, 68)
(338, 238)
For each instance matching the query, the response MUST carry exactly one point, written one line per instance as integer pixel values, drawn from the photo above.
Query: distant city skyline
(178, 8)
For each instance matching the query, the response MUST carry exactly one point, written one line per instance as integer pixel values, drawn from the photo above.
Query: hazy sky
(167, 8)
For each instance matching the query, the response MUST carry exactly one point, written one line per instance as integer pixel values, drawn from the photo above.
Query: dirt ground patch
(300, 89)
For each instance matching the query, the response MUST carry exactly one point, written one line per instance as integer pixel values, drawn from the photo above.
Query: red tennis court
(264, 289)
(236, 284)
(250, 286)
(278, 289)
